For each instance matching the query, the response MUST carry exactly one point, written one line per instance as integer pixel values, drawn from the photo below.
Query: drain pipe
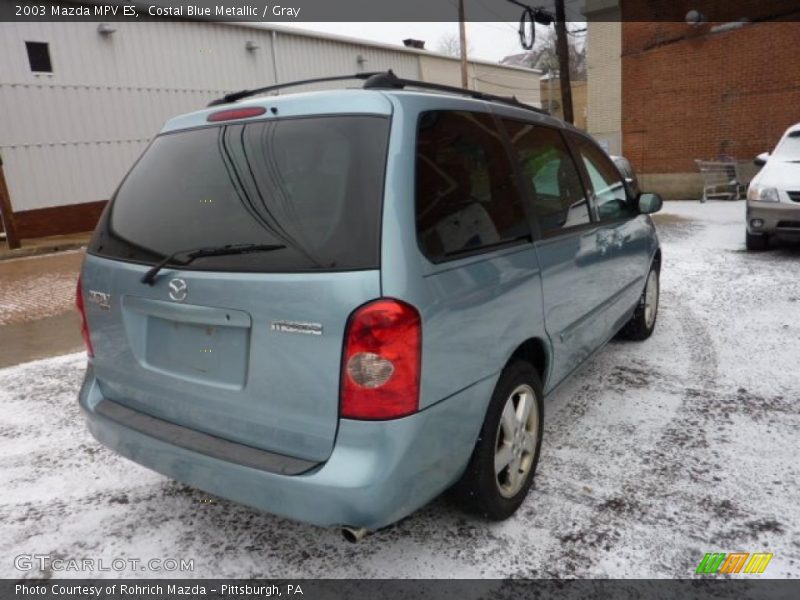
(354, 534)
(275, 55)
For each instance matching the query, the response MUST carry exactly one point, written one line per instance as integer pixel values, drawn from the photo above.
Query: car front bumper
(776, 218)
(378, 472)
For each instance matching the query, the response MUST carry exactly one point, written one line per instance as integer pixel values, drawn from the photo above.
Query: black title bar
(330, 589)
(677, 11)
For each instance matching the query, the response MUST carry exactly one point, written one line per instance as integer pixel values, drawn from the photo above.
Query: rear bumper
(777, 217)
(378, 472)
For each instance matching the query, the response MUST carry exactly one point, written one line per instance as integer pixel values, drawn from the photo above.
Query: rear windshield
(313, 185)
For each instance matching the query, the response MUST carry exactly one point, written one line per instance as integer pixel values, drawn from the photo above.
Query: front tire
(501, 469)
(756, 242)
(643, 321)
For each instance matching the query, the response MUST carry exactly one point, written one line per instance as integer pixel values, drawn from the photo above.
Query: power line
(495, 13)
(483, 24)
(509, 87)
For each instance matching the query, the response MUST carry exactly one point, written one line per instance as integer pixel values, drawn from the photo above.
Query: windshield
(311, 185)
(789, 148)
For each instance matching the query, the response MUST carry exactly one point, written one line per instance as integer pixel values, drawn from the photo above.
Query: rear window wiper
(227, 249)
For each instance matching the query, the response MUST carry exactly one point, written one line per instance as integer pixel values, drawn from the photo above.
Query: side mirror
(649, 203)
(761, 159)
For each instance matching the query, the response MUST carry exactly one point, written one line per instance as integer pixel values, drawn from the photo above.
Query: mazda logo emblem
(178, 290)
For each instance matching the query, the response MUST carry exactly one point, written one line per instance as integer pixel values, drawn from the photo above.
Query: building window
(39, 57)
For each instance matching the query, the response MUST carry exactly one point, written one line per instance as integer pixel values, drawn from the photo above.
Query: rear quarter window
(466, 197)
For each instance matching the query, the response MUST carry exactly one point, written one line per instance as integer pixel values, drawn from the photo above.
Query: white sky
(490, 41)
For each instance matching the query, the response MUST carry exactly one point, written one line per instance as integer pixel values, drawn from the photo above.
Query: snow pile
(654, 454)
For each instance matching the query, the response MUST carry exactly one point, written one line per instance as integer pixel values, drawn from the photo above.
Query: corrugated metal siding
(73, 134)
(440, 70)
(499, 80)
(172, 55)
(301, 57)
(55, 175)
(507, 82)
(76, 132)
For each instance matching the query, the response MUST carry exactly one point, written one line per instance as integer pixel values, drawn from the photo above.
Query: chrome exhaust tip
(354, 534)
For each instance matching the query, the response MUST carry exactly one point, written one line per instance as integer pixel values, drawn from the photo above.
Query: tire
(643, 321)
(497, 495)
(756, 242)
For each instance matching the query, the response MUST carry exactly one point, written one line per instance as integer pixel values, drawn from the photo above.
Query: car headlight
(762, 193)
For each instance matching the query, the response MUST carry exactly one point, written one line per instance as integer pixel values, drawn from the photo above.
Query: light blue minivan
(334, 306)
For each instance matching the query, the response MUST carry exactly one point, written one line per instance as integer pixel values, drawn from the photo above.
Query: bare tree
(545, 57)
(450, 45)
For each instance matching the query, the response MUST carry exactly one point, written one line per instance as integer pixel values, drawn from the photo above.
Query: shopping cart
(719, 179)
(727, 180)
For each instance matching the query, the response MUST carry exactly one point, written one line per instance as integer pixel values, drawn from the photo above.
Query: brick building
(691, 91)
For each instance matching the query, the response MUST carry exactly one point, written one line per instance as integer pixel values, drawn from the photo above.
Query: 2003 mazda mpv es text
(336, 305)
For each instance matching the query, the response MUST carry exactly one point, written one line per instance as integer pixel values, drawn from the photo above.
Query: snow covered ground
(655, 454)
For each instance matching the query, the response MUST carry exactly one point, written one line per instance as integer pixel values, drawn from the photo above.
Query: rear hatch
(244, 346)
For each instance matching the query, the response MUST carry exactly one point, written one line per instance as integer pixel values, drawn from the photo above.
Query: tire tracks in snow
(680, 452)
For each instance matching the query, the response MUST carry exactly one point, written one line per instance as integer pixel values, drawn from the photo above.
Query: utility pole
(462, 33)
(562, 48)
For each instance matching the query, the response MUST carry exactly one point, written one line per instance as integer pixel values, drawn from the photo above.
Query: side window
(39, 57)
(466, 197)
(609, 188)
(559, 200)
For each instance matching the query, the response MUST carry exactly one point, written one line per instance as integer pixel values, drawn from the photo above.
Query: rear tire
(756, 242)
(643, 321)
(500, 471)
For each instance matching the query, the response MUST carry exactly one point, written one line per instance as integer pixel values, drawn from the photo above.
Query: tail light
(381, 362)
(84, 323)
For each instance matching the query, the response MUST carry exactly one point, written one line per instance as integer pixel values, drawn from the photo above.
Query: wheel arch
(656, 262)
(536, 352)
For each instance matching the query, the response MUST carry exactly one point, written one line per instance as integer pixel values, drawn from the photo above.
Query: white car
(773, 198)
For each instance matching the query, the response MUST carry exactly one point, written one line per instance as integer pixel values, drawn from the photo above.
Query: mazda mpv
(336, 305)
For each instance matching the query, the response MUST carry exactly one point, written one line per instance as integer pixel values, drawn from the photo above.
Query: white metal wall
(303, 57)
(73, 134)
(495, 79)
(502, 80)
(70, 136)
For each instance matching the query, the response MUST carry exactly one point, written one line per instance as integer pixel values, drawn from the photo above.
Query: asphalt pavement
(37, 314)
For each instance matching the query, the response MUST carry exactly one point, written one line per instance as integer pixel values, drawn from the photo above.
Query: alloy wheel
(516, 440)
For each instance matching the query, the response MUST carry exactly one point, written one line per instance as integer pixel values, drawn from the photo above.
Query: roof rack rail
(235, 96)
(381, 80)
(388, 80)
